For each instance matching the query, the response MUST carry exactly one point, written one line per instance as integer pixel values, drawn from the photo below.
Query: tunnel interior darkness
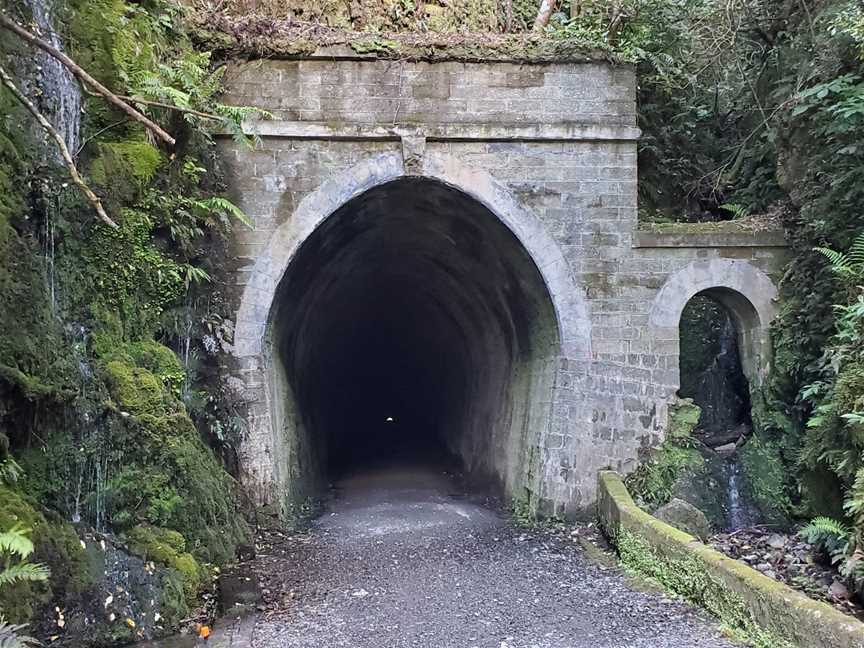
(411, 325)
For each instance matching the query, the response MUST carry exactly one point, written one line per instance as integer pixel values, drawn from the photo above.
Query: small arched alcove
(728, 305)
(410, 325)
(746, 293)
(714, 338)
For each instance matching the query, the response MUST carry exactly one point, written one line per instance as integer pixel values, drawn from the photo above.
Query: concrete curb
(233, 631)
(772, 606)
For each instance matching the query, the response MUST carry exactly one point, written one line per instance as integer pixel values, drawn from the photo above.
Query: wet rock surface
(788, 559)
(403, 559)
(686, 517)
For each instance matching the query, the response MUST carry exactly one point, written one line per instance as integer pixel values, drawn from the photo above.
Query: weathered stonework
(549, 152)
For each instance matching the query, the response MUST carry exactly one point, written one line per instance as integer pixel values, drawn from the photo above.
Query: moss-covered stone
(767, 476)
(135, 389)
(125, 167)
(753, 608)
(156, 358)
(168, 547)
(653, 482)
(683, 418)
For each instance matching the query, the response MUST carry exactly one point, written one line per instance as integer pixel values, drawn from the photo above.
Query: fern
(737, 211)
(15, 542)
(23, 573)
(850, 264)
(830, 537)
(11, 636)
(225, 206)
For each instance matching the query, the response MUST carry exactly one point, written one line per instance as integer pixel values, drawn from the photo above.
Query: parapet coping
(772, 605)
(702, 235)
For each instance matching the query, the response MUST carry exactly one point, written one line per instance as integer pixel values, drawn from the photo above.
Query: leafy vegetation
(96, 405)
(15, 549)
(108, 358)
(653, 483)
(687, 576)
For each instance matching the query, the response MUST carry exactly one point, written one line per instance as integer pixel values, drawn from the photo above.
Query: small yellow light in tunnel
(390, 419)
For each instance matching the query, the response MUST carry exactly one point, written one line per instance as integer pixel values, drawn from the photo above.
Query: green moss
(686, 576)
(683, 419)
(135, 389)
(767, 475)
(124, 168)
(151, 356)
(748, 225)
(167, 547)
(56, 545)
(30, 346)
(31, 388)
(653, 483)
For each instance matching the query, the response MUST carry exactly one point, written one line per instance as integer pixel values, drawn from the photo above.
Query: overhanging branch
(85, 78)
(61, 144)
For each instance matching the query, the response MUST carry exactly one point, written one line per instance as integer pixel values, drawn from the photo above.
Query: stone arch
(266, 474)
(747, 293)
(568, 299)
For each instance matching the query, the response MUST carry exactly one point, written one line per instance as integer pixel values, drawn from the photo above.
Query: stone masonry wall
(556, 142)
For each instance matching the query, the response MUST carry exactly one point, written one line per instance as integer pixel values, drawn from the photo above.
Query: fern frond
(24, 573)
(15, 542)
(219, 204)
(738, 211)
(840, 262)
(829, 536)
(11, 636)
(856, 250)
(826, 525)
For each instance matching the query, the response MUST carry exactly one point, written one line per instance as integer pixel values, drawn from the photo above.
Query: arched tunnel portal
(410, 325)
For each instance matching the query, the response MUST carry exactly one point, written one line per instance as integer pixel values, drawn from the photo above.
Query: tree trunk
(543, 14)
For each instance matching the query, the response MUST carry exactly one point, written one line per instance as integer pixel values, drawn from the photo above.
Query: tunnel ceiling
(412, 302)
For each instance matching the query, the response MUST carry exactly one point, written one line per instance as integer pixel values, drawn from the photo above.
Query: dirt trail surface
(402, 559)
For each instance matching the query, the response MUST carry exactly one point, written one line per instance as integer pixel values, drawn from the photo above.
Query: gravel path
(400, 559)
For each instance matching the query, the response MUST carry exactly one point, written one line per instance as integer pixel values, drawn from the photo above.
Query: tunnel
(411, 326)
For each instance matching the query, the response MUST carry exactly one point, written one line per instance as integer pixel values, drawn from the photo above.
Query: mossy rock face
(168, 547)
(766, 474)
(171, 479)
(56, 545)
(124, 168)
(683, 419)
(654, 482)
(138, 374)
(136, 389)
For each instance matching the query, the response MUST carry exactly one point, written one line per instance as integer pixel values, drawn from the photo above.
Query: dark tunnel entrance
(410, 326)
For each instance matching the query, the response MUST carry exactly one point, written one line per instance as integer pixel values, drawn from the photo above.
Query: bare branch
(157, 104)
(544, 14)
(61, 144)
(84, 77)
